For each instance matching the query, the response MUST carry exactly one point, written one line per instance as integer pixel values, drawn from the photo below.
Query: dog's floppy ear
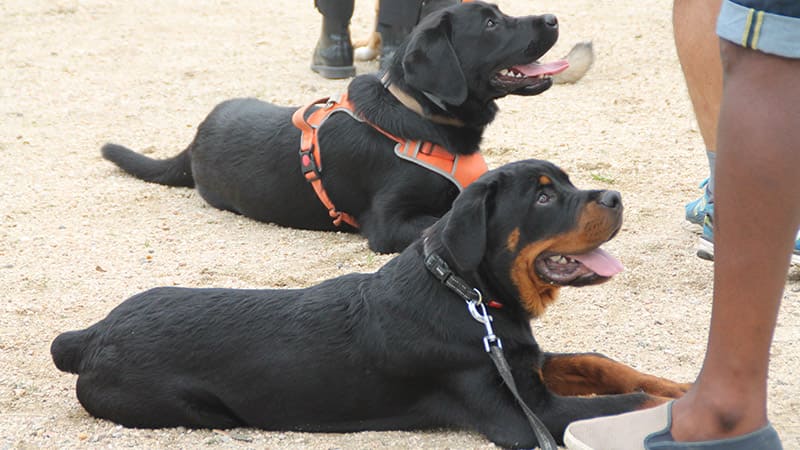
(430, 63)
(464, 232)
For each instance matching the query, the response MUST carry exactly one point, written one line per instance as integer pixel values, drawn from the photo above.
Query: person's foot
(333, 55)
(649, 429)
(796, 252)
(705, 244)
(696, 209)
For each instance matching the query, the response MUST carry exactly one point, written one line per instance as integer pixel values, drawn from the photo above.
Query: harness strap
(310, 156)
(461, 170)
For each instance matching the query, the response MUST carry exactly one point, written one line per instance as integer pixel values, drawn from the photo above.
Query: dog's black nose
(610, 199)
(551, 21)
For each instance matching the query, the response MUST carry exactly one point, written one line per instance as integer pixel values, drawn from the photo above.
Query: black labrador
(393, 350)
(441, 88)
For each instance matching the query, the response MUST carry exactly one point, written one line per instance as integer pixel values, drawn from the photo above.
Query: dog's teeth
(504, 72)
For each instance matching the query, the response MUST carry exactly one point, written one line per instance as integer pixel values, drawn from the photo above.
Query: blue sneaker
(705, 245)
(696, 209)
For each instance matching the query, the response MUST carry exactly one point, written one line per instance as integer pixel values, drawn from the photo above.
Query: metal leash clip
(478, 311)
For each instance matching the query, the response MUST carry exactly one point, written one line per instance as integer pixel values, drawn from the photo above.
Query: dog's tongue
(600, 262)
(536, 69)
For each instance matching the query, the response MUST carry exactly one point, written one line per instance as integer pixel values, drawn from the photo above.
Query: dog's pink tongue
(536, 69)
(600, 262)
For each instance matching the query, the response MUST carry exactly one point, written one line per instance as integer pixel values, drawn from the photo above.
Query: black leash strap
(491, 343)
(494, 347)
(546, 441)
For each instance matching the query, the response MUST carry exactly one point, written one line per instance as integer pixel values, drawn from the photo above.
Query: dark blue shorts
(768, 26)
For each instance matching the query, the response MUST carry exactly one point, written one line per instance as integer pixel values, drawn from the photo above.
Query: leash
(491, 343)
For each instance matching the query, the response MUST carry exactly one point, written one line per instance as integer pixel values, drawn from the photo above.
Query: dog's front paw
(661, 387)
(365, 54)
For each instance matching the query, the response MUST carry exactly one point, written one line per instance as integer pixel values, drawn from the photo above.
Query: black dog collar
(411, 103)
(442, 272)
(439, 268)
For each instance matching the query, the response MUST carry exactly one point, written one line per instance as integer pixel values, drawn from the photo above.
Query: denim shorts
(769, 26)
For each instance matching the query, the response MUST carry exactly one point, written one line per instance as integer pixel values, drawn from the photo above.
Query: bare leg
(756, 218)
(696, 42)
(698, 52)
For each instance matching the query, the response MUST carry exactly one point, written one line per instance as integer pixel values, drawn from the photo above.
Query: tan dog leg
(369, 48)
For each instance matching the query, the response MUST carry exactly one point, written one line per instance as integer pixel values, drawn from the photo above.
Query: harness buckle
(333, 100)
(438, 267)
(309, 165)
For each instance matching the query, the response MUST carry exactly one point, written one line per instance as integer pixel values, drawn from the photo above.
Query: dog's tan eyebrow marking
(545, 180)
(513, 240)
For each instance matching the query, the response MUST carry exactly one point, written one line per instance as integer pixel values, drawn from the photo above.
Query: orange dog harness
(461, 170)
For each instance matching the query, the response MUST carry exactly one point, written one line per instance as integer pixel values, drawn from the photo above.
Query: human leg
(756, 220)
(698, 52)
(333, 55)
(396, 18)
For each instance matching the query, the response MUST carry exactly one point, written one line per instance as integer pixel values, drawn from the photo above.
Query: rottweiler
(397, 349)
(440, 89)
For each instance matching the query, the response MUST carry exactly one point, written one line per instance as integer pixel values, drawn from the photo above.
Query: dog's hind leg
(216, 200)
(175, 171)
(153, 404)
(67, 350)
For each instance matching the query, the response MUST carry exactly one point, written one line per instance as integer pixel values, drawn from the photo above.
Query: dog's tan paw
(666, 388)
(365, 54)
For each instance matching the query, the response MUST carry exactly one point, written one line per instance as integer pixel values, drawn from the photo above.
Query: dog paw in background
(580, 58)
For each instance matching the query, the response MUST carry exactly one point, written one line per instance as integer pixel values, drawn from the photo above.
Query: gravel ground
(77, 236)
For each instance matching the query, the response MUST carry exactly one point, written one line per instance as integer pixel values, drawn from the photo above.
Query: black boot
(333, 55)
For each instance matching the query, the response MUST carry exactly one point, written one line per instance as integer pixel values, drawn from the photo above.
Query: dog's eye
(543, 199)
(490, 23)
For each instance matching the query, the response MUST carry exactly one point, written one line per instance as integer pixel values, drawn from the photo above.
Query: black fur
(391, 350)
(244, 157)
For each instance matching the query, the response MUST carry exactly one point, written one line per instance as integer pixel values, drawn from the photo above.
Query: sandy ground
(77, 236)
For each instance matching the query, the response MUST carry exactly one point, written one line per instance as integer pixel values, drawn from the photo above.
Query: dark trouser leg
(396, 18)
(333, 55)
